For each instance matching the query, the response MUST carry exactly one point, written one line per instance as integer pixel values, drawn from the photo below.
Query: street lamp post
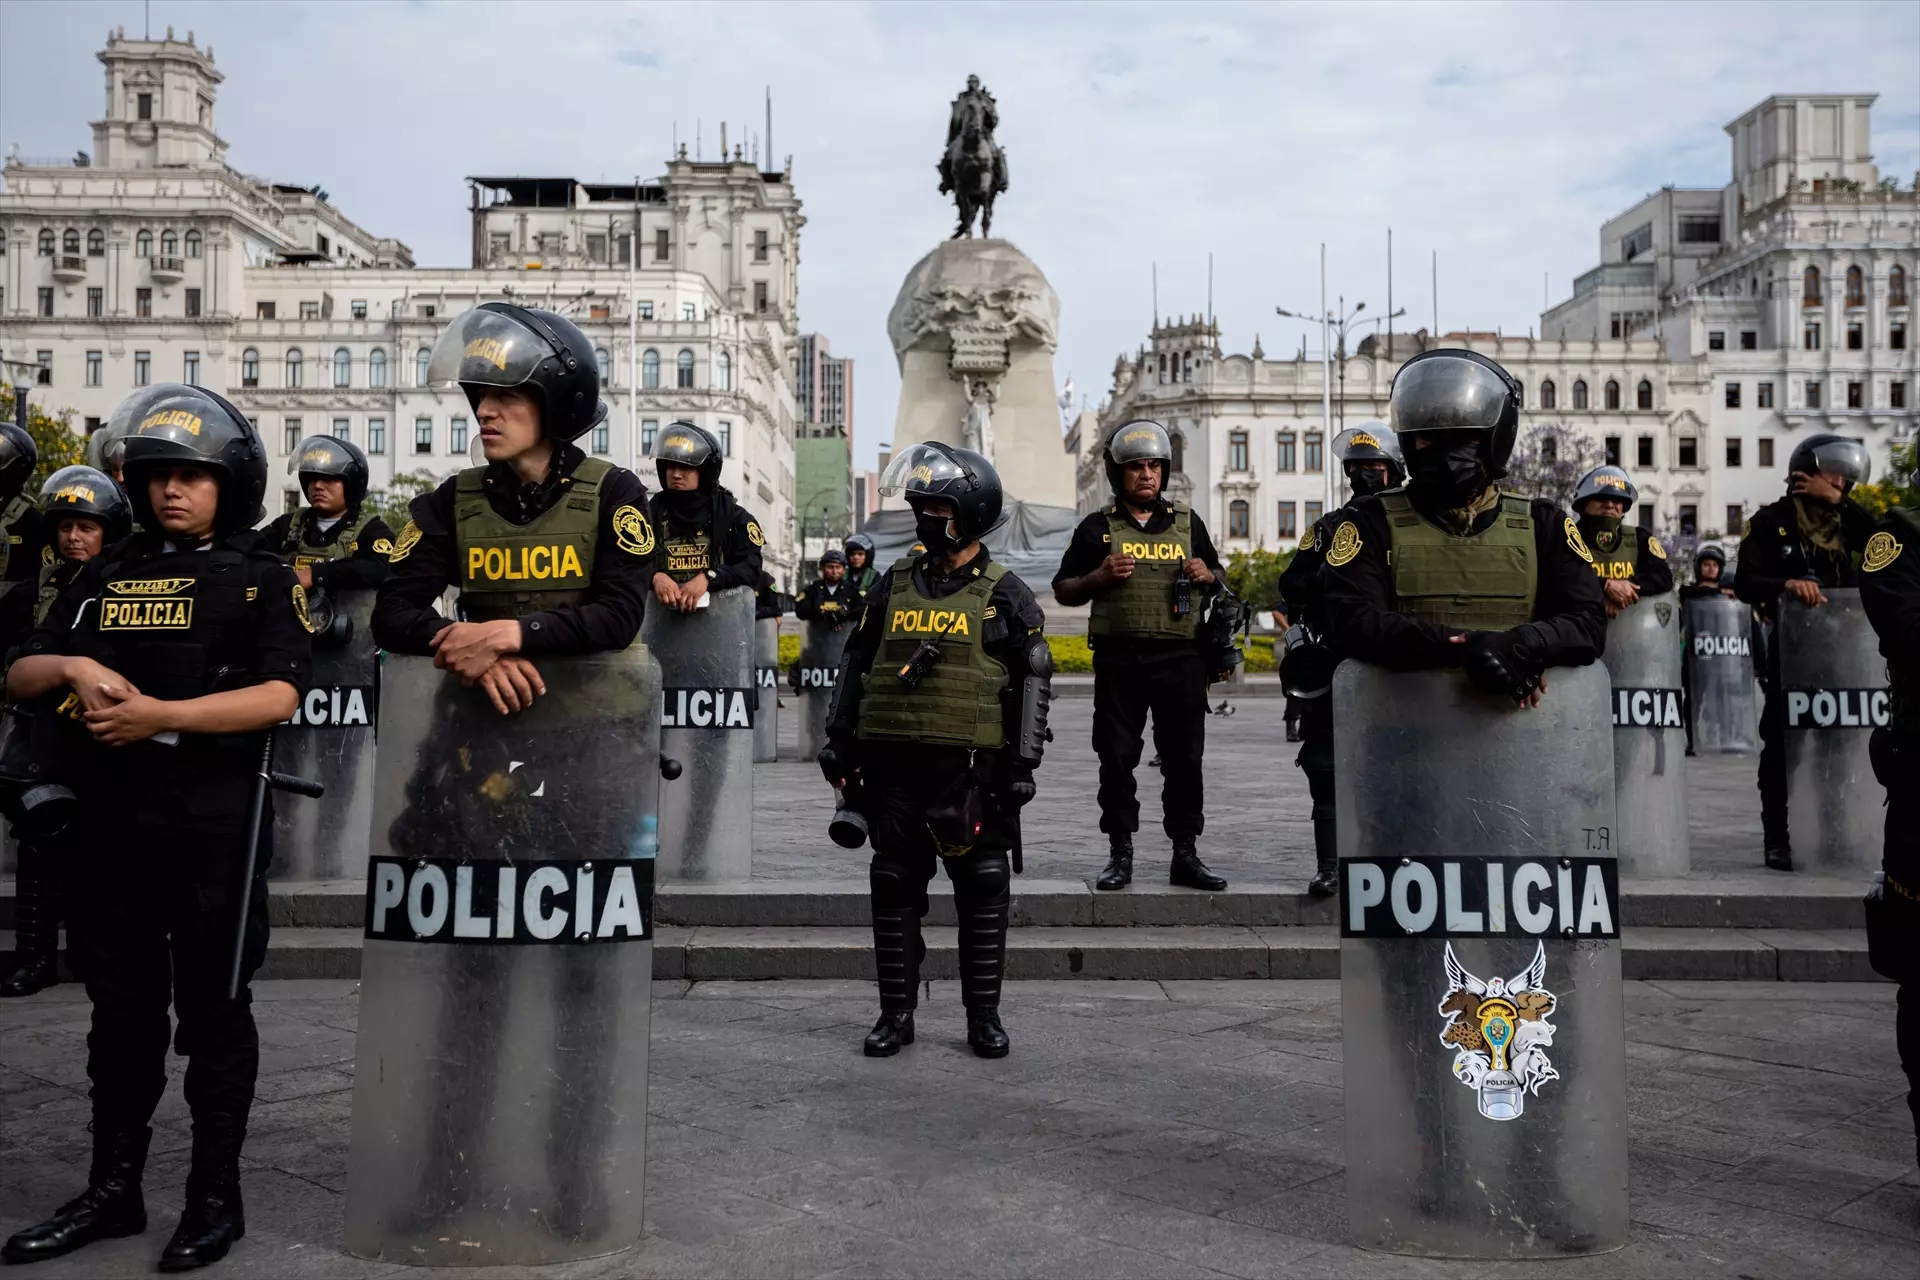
(23, 373)
(1334, 327)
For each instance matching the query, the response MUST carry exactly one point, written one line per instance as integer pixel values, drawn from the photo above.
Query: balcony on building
(69, 268)
(168, 270)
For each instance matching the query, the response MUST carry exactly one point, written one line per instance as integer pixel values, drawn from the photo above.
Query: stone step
(1764, 900)
(1145, 953)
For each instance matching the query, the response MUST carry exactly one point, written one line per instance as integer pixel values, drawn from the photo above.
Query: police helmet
(1605, 482)
(89, 492)
(858, 542)
(1365, 444)
(934, 470)
(833, 555)
(682, 444)
(499, 344)
(1710, 552)
(329, 458)
(195, 426)
(1841, 455)
(107, 447)
(1142, 440)
(19, 455)
(1448, 389)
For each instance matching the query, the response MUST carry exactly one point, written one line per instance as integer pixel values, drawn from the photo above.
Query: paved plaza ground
(1138, 1130)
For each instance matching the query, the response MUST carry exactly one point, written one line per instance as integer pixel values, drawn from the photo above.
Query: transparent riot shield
(500, 1087)
(330, 740)
(1721, 687)
(815, 677)
(1480, 967)
(766, 682)
(706, 719)
(1649, 738)
(1833, 693)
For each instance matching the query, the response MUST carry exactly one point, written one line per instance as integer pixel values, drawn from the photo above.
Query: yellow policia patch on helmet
(754, 535)
(300, 606)
(1653, 545)
(383, 546)
(1363, 438)
(186, 421)
(409, 538)
(492, 350)
(1346, 544)
(1574, 542)
(1882, 550)
(631, 532)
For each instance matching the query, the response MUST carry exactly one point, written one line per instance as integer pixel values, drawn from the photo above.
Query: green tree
(1255, 576)
(1898, 488)
(393, 502)
(59, 444)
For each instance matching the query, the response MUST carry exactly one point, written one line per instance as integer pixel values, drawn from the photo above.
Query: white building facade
(155, 261)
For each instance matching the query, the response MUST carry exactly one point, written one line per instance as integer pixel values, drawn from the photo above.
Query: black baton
(256, 813)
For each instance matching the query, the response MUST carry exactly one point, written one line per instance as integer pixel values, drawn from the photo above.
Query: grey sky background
(1498, 135)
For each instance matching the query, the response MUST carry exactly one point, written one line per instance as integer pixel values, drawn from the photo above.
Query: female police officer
(551, 549)
(335, 541)
(175, 649)
(710, 542)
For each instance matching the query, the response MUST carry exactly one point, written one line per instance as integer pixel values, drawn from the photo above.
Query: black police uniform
(1134, 676)
(829, 604)
(706, 530)
(767, 602)
(424, 564)
(1305, 597)
(1772, 551)
(362, 567)
(1697, 591)
(1890, 591)
(1652, 573)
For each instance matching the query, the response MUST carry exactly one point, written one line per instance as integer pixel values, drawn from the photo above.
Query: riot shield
(500, 1088)
(706, 723)
(766, 682)
(1649, 739)
(1720, 676)
(1485, 1069)
(815, 677)
(330, 740)
(1833, 694)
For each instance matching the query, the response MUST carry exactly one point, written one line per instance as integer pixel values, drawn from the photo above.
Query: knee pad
(984, 879)
(891, 886)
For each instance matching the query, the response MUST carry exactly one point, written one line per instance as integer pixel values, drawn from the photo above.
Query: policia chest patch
(148, 604)
(515, 903)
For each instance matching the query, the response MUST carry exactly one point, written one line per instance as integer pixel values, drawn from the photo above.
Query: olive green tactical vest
(1141, 606)
(687, 553)
(957, 703)
(49, 592)
(1903, 683)
(509, 570)
(1485, 582)
(303, 554)
(1622, 560)
(20, 505)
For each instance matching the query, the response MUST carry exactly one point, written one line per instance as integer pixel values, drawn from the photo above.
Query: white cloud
(1499, 135)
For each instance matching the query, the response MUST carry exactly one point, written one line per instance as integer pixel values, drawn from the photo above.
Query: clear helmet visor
(485, 348)
(681, 445)
(1368, 442)
(320, 455)
(1848, 458)
(1446, 393)
(1138, 441)
(921, 468)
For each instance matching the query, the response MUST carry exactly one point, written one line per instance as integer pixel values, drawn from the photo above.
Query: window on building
(263, 310)
(1897, 287)
(649, 428)
(423, 435)
(688, 311)
(603, 362)
(1284, 526)
(1766, 451)
(457, 435)
(1612, 450)
(1237, 451)
(190, 368)
(602, 437)
(683, 368)
(46, 242)
(427, 310)
(645, 308)
(1897, 335)
(1689, 520)
(1313, 513)
(193, 244)
(1550, 449)
(1810, 293)
(193, 304)
(44, 376)
(143, 304)
(1547, 394)
(1896, 395)
(290, 435)
(1186, 370)
(94, 362)
(1856, 287)
(1733, 451)
(142, 368)
(343, 428)
(96, 243)
(1699, 228)
(1283, 451)
(1810, 336)
(1179, 453)
(1312, 453)
(1749, 340)
(760, 246)
(1813, 393)
(1612, 394)
(310, 311)
(1763, 395)
(1733, 395)
(1636, 241)
(1163, 367)
(1856, 336)
(421, 360)
(723, 369)
(70, 243)
(143, 106)
(1237, 519)
(357, 308)
(597, 247)
(342, 367)
(295, 365)
(377, 367)
(376, 435)
(760, 297)
(96, 300)
(650, 369)
(1643, 452)
(1580, 393)
(1689, 451)
(250, 368)
(1643, 395)
(169, 244)
(1716, 340)
(662, 244)
(45, 298)
(1856, 395)
(600, 311)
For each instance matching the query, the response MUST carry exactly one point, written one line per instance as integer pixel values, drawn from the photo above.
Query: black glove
(1493, 664)
(1019, 787)
(836, 761)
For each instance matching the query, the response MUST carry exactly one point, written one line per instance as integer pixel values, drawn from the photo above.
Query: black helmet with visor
(502, 345)
(89, 493)
(682, 444)
(1142, 440)
(966, 479)
(195, 427)
(1826, 454)
(1448, 389)
(330, 458)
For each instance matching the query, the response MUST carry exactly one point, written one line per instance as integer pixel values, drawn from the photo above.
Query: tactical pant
(1899, 772)
(40, 888)
(1773, 769)
(1174, 689)
(1316, 761)
(155, 911)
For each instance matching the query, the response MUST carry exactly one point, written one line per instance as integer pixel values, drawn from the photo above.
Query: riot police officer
(859, 549)
(938, 724)
(336, 542)
(1629, 561)
(833, 601)
(1708, 564)
(22, 530)
(1890, 591)
(551, 549)
(1802, 542)
(173, 651)
(1307, 672)
(85, 513)
(1146, 565)
(1449, 570)
(708, 541)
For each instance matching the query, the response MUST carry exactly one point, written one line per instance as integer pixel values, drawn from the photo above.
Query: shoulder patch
(383, 546)
(1346, 544)
(409, 539)
(631, 532)
(1653, 545)
(1882, 550)
(300, 607)
(1574, 542)
(754, 535)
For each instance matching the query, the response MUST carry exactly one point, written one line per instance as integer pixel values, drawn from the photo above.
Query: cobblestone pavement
(1257, 806)
(1138, 1130)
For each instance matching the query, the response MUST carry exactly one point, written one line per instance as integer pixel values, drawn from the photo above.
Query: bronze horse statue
(979, 172)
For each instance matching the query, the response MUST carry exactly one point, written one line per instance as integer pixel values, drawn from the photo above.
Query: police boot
(1188, 870)
(898, 950)
(212, 1219)
(981, 898)
(986, 1035)
(36, 937)
(890, 1034)
(110, 1206)
(1119, 872)
(1326, 859)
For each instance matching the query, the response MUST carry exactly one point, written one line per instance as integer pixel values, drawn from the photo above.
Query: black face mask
(690, 505)
(1366, 480)
(1601, 531)
(1452, 473)
(932, 532)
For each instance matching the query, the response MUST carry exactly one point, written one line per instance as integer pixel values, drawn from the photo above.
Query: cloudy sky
(1498, 136)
